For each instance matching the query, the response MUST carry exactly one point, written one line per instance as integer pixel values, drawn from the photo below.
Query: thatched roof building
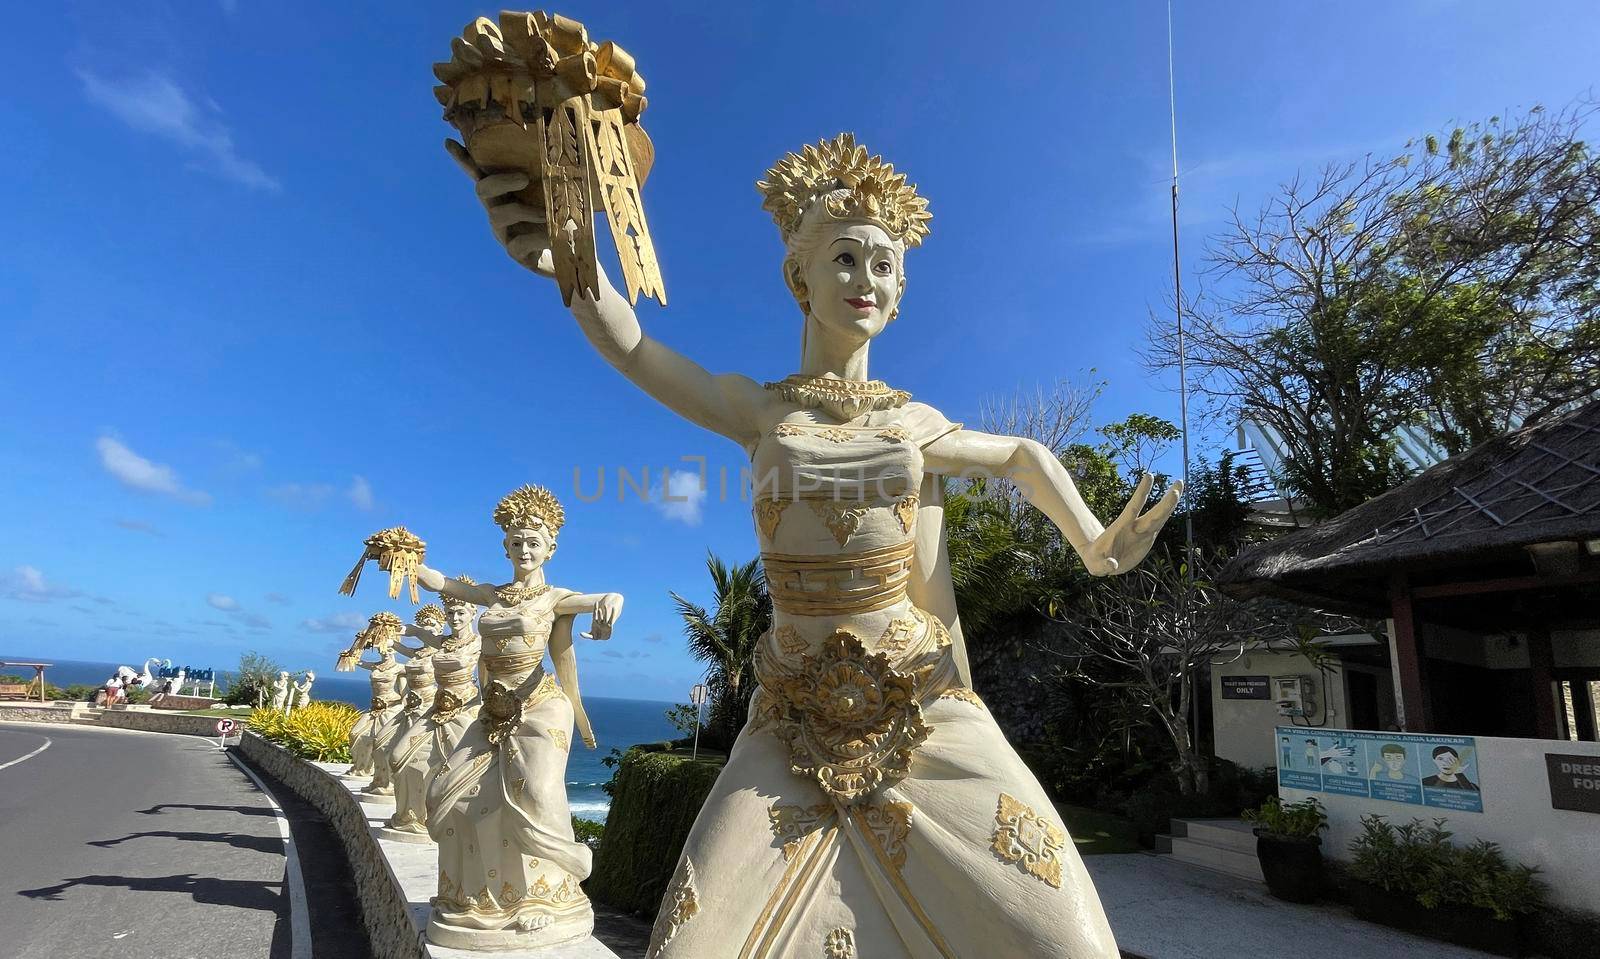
(1503, 538)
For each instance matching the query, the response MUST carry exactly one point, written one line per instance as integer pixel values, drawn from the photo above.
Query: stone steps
(1223, 845)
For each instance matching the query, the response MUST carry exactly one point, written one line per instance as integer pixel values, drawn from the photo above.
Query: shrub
(1419, 860)
(655, 799)
(251, 680)
(1297, 820)
(588, 831)
(319, 731)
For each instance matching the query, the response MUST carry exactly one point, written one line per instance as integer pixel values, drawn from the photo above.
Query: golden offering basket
(532, 94)
(399, 552)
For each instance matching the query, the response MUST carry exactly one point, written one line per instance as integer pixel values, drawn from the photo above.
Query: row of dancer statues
(871, 806)
(468, 733)
(286, 695)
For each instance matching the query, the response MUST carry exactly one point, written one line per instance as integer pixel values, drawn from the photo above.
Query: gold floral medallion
(1026, 838)
(850, 719)
(501, 712)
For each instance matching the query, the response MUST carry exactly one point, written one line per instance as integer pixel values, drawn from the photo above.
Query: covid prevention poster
(1420, 769)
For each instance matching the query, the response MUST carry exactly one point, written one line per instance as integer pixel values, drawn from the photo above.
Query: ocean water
(618, 723)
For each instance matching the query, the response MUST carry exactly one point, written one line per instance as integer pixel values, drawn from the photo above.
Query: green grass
(1096, 833)
(239, 714)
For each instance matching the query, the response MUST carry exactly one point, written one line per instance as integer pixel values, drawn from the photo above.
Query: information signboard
(1246, 687)
(1421, 769)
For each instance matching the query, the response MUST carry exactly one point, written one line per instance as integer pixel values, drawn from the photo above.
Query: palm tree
(727, 637)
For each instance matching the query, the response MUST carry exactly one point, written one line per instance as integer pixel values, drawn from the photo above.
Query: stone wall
(384, 910)
(154, 722)
(18, 713)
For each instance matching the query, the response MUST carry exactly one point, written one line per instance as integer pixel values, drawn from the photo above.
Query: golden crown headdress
(527, 503)
(451, 602)
(876, 193)
(429, 615)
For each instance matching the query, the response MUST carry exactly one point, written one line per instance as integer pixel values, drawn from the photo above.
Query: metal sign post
(225, 727)
(697, 699)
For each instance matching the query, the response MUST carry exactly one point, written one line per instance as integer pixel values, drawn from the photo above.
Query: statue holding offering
(872, 806)
(509, 865)
(379, 635)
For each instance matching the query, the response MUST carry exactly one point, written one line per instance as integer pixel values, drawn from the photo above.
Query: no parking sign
(225, 728)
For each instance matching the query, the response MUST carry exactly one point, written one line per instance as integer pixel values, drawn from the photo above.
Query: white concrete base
(414, 867)
(403, 835)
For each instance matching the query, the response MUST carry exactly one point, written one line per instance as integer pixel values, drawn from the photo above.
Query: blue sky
(252, 312)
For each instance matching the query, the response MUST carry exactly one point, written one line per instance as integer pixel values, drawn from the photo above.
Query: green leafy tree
(726, 638)
(252, 681)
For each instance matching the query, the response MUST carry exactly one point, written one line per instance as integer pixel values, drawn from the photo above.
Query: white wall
(1564, 844)
(1242, 728)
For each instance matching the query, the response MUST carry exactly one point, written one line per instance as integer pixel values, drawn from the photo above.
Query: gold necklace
(849, 398)
(514, 595)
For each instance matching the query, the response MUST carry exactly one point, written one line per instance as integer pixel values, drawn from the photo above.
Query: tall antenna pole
(1177, 296)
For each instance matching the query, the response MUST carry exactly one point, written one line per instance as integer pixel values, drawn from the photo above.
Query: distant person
(1450, 776)
(1288, 750)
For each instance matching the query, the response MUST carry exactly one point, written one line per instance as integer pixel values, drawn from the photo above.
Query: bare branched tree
(1150, 635)
(1454, 287)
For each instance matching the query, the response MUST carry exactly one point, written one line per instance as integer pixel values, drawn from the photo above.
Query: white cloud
(683, 497)
(360, 493)
(225, 603)
(302, 496)
(138, 526)
(336, 623)
(154, 104)
(278, 599)
(136, 472)
(28, 584)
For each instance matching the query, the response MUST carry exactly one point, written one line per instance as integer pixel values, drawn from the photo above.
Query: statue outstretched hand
(606, 612)
(519, 227)
(1128, 539)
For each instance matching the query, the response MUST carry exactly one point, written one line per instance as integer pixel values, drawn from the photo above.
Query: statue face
(528, 548)
(459, 616)
(853, 281)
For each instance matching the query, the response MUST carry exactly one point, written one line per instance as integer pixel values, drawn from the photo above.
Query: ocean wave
(591, 810)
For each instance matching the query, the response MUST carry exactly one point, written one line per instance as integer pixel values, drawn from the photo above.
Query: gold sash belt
(454, 679)
(841, 584)
(511, 662)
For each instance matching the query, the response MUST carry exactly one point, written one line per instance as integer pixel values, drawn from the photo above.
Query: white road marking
(299, 910)
(27, 757)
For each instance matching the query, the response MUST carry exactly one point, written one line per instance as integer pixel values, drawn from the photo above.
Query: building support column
(1541, 663)
(1416, 713)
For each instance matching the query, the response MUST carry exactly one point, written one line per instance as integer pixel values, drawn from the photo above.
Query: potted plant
(1413, 877)
(1289, 847)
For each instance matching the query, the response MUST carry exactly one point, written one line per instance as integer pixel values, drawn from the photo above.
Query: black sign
(1574, 782)
(1246, 687)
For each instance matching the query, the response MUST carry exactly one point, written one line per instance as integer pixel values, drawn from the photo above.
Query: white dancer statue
(872, 806)
(509, 865)
(281, 690)
(425, 725)
(387, 694)
(417, 700)
(302, 692)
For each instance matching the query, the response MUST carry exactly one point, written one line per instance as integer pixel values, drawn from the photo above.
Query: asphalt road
(131, 845)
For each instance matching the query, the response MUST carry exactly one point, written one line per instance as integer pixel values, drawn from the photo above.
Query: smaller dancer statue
(281, 691)
(424, 743)
(380, 634)
(302, 692)
(428, 628)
